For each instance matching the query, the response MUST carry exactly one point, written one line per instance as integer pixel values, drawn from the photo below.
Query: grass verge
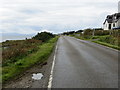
(108, 45)
(102, 42)
(21, 65)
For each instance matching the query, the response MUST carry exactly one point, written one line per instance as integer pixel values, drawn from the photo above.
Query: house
(112, 22)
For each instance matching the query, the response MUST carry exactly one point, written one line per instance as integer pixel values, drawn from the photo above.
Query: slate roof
(112, 18)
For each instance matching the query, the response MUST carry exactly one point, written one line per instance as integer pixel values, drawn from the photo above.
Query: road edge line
(51, 73)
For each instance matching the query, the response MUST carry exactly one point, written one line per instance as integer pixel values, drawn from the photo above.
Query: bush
(18, 49)
(44, 36)
(14, 69)
(88, 32)
(101, 32)
(109, 39)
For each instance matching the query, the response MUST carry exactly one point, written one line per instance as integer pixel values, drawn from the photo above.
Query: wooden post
(93, 32)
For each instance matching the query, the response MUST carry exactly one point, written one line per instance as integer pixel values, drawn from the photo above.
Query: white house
(112, 21)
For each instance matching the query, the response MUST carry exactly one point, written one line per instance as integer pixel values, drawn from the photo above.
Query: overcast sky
(32, 16)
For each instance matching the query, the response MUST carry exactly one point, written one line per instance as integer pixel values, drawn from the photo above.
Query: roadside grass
(83, 38)
(106, 44)
(13, 70)
(105, 40)
(14, 50)
(0, 46)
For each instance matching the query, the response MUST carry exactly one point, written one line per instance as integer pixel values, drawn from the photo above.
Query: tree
(44, 36)
(79, 31)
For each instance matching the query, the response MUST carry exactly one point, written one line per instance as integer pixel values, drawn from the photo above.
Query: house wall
(105, 26)
(118, 23)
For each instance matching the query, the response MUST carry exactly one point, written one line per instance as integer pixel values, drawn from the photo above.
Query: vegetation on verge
(109, 45)
(14, 50)
(14, 65)
(110, 38)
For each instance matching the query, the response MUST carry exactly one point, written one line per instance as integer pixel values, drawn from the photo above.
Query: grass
(105, 40)
(83, 38)
(18, 49)
(106, 44)
(108, 40)
(21, 65)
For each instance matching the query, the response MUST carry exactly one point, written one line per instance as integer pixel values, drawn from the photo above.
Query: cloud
(45, 30)
(32, 16)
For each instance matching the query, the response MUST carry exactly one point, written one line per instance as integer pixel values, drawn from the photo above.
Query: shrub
(18, 49)
(109, 39)
(44, 36)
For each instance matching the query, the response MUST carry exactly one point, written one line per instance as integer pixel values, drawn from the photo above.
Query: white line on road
(51, 74)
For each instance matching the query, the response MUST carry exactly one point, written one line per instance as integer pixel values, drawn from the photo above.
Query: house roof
(109, 20)
(112, 18)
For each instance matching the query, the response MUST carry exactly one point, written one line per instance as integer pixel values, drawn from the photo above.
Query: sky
(56, 16)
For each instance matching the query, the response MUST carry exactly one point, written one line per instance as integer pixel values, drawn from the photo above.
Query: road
(83, 64)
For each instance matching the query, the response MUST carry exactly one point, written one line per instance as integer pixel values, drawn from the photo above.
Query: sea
(5, 37)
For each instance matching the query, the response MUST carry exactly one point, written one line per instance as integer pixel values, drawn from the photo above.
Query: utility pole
(93, 32)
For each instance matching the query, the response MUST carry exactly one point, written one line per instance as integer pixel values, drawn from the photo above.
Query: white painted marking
(51, 74)
(37, 76)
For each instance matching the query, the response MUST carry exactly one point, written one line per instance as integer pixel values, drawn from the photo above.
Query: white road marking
(51, 74)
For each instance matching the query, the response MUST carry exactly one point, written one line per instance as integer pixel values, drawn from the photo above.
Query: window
(114, 25)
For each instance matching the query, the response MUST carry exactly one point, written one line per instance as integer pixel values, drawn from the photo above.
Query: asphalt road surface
(83, 64)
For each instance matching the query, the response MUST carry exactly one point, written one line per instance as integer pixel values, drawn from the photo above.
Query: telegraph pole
(93, 32)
